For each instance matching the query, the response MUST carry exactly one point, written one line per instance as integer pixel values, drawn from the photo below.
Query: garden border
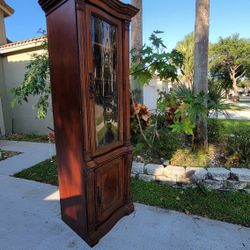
(212, 178)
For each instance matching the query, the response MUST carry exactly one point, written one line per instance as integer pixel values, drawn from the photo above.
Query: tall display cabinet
(88, 43)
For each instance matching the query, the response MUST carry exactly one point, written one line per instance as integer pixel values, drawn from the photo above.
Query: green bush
(167, 143)
(238, 146)
(164, 145)
(216, 130)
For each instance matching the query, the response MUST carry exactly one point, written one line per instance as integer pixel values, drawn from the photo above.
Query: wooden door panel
(109, 188)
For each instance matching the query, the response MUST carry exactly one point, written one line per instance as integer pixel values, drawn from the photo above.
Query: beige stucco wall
(23, 117)
(2, 29)
(5, 120)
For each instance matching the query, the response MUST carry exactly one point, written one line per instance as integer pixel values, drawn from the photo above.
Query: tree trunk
(235, 87)
(201, 67)
(136, 43)
(234, 79)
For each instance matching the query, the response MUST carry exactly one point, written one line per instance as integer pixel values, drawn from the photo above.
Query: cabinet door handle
(92, 88)
(99, 197)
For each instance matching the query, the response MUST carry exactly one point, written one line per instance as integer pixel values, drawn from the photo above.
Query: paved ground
(30, 220)
(237, 115)
(31, 154)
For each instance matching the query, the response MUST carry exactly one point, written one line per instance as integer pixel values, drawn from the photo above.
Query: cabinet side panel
(64, 70)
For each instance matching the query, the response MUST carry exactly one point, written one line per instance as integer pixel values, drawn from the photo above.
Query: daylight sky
(174, 17)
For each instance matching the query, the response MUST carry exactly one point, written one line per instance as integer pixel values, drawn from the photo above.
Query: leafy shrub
(167, 143)
(238, 146)
(164, 144)
(139, 119)
(216, 130)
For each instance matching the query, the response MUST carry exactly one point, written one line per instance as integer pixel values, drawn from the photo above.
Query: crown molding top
(126, 11)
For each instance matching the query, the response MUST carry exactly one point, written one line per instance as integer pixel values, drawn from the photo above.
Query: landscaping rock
(164, 162)
(241, 174)
(218, 174)
(175, 173)
(133, 175)
(212, 184)
(196, 174)
(146, 177)
(247, 190)
(184, 180)
(137, 168)
(154, 169)
(235, 185)
(165, 180)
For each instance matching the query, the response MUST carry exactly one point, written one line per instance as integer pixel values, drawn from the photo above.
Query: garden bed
(234, 179)
(229, 143)
(7, 154)
(26, 137)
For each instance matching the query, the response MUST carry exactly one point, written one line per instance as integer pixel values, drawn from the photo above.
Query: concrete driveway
(30, 220)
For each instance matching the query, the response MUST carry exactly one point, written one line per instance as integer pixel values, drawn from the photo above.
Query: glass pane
(104, 49)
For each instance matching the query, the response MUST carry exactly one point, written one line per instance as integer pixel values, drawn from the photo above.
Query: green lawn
(231, 124)
(226, 206)
(234, 107)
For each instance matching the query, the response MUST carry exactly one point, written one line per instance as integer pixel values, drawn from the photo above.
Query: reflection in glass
(104, 49)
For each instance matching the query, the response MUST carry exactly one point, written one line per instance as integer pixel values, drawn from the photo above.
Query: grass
(231, 207)
(187, 158)
(231, 124)
(235, 108)
(45, 172)
(26, 137)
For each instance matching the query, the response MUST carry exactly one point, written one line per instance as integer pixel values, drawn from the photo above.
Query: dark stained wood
(114, 7)
(93, 183)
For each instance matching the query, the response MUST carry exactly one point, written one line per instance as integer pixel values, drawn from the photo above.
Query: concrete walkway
(31, 154)
(236, 114)
(30, 220)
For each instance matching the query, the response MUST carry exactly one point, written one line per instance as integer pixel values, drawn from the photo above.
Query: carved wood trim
(126, 11)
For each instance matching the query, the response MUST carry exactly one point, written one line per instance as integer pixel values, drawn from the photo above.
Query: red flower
(51, 135)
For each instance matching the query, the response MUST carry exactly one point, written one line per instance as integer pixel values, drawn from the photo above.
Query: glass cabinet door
(105, 83)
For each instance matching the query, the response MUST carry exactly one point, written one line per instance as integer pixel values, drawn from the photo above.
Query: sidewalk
(31, 154)
(30, 220)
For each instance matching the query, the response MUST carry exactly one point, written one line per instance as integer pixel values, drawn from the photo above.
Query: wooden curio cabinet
(88, 43)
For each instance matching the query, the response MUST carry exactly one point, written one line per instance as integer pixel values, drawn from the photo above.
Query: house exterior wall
(2, 29)
(22, 118)
(5, 120)
(151, 92)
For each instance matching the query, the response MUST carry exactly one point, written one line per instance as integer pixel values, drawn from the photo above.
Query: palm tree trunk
(201, 66)
(136, 43)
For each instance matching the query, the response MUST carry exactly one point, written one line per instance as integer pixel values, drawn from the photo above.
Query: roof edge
(19, 45)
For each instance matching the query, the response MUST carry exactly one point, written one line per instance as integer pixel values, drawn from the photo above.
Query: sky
(174, 17)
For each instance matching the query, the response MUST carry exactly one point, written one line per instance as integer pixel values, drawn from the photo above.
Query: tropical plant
(139, 119)
(191, 107)
(153, 60)
(186, 47)
(216, 99)
(36, 83)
